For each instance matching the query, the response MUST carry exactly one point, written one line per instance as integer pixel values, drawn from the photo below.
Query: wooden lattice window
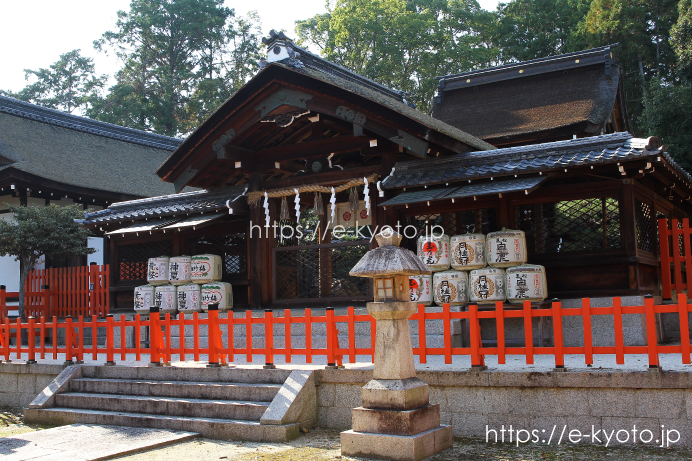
(643, 213)
(573, 225)
(133, 258)
(231, 247)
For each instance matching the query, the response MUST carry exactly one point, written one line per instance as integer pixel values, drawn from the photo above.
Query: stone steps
(182, 389)
(213, 428)
(222, 403)
(172, 406)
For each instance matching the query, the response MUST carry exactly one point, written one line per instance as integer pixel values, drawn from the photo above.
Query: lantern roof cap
(389, 258)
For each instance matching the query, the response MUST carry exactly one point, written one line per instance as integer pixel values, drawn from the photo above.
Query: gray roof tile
(535, 158)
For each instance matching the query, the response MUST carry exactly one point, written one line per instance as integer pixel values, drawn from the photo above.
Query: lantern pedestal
(396, 420)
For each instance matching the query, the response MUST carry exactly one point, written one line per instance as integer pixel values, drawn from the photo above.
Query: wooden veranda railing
(676, 256)
(62, 292)
(220, 346)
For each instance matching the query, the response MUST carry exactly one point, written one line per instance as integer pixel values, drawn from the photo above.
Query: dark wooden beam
(329, 178)
(317, 147)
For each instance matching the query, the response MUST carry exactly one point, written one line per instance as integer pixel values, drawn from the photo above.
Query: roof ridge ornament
(280, 48)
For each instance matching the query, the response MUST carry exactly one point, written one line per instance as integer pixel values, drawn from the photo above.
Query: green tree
(642, 28)
(531, 29)
(67, 85)
(36, 231)
(402, 44)
(167, 48)
(681, 39)
(668, 114)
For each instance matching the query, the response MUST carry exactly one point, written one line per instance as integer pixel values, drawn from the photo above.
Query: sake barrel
(144, 298)
(487, 285)
(526, 283)
(420, 289)
(179, 270)
(165, 297)
(157, 271)
(217, 292)
(205, 269)
(189, 298)
(468, 252)
(434, 252)
(451, 287)
(506, 248)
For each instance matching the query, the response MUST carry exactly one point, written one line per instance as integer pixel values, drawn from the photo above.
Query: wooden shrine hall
(306, 148)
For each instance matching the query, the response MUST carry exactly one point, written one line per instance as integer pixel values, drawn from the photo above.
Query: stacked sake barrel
(185, 284)
(478, 269)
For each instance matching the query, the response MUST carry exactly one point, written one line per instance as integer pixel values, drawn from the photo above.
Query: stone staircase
(220, 403)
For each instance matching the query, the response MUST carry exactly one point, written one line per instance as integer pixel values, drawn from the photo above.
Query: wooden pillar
(255, 236)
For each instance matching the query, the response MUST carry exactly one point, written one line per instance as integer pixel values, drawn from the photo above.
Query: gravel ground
(320, 445)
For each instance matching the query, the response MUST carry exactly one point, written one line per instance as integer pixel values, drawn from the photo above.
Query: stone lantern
(396, 420)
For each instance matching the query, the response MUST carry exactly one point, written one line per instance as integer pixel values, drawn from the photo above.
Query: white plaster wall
(9, 268)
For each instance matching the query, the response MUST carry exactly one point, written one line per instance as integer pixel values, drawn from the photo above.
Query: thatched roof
(389, 260)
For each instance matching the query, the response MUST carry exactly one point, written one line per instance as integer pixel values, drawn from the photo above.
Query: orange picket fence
(70, 291)
(676, 256)
(221, 345)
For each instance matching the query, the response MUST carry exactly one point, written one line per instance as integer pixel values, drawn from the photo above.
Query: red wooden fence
(221, 345)
(676, 256)
(71, 291)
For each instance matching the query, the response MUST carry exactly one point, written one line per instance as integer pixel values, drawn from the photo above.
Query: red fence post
(287, 335)
(651, 339)
(683, 311)
(617, 325)
(664, 252)
(154, 333)
(268, 339)
(588, 335)
(557, 334)
(212, 317)
(31, 336)
(330, 327)
(109, 340)
(308, 335)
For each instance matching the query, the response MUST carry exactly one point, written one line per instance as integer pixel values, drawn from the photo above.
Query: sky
(34, 33)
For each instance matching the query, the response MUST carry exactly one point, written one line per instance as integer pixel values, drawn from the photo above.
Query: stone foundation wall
(473, 402)
(21, 383)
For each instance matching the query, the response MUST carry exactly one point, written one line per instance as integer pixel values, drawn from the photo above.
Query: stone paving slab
(85, 442)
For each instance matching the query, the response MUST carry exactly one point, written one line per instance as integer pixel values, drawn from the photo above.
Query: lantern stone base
(396, 447)
(395, 394)
(394, 422)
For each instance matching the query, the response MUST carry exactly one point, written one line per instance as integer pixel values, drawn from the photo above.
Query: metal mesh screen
(483, 221)
(319, 272)
(133, 259)
(231, 247)
(288, 233)
(644, 219)
(574, 225)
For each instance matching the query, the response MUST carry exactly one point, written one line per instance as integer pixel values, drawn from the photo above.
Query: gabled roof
(574, 92)
(77, 151)
(537, 158)
(203, 201)
(307, 72)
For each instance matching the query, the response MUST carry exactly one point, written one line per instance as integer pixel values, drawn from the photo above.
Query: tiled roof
(168, 205)
(471, 190)
(535, 158)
